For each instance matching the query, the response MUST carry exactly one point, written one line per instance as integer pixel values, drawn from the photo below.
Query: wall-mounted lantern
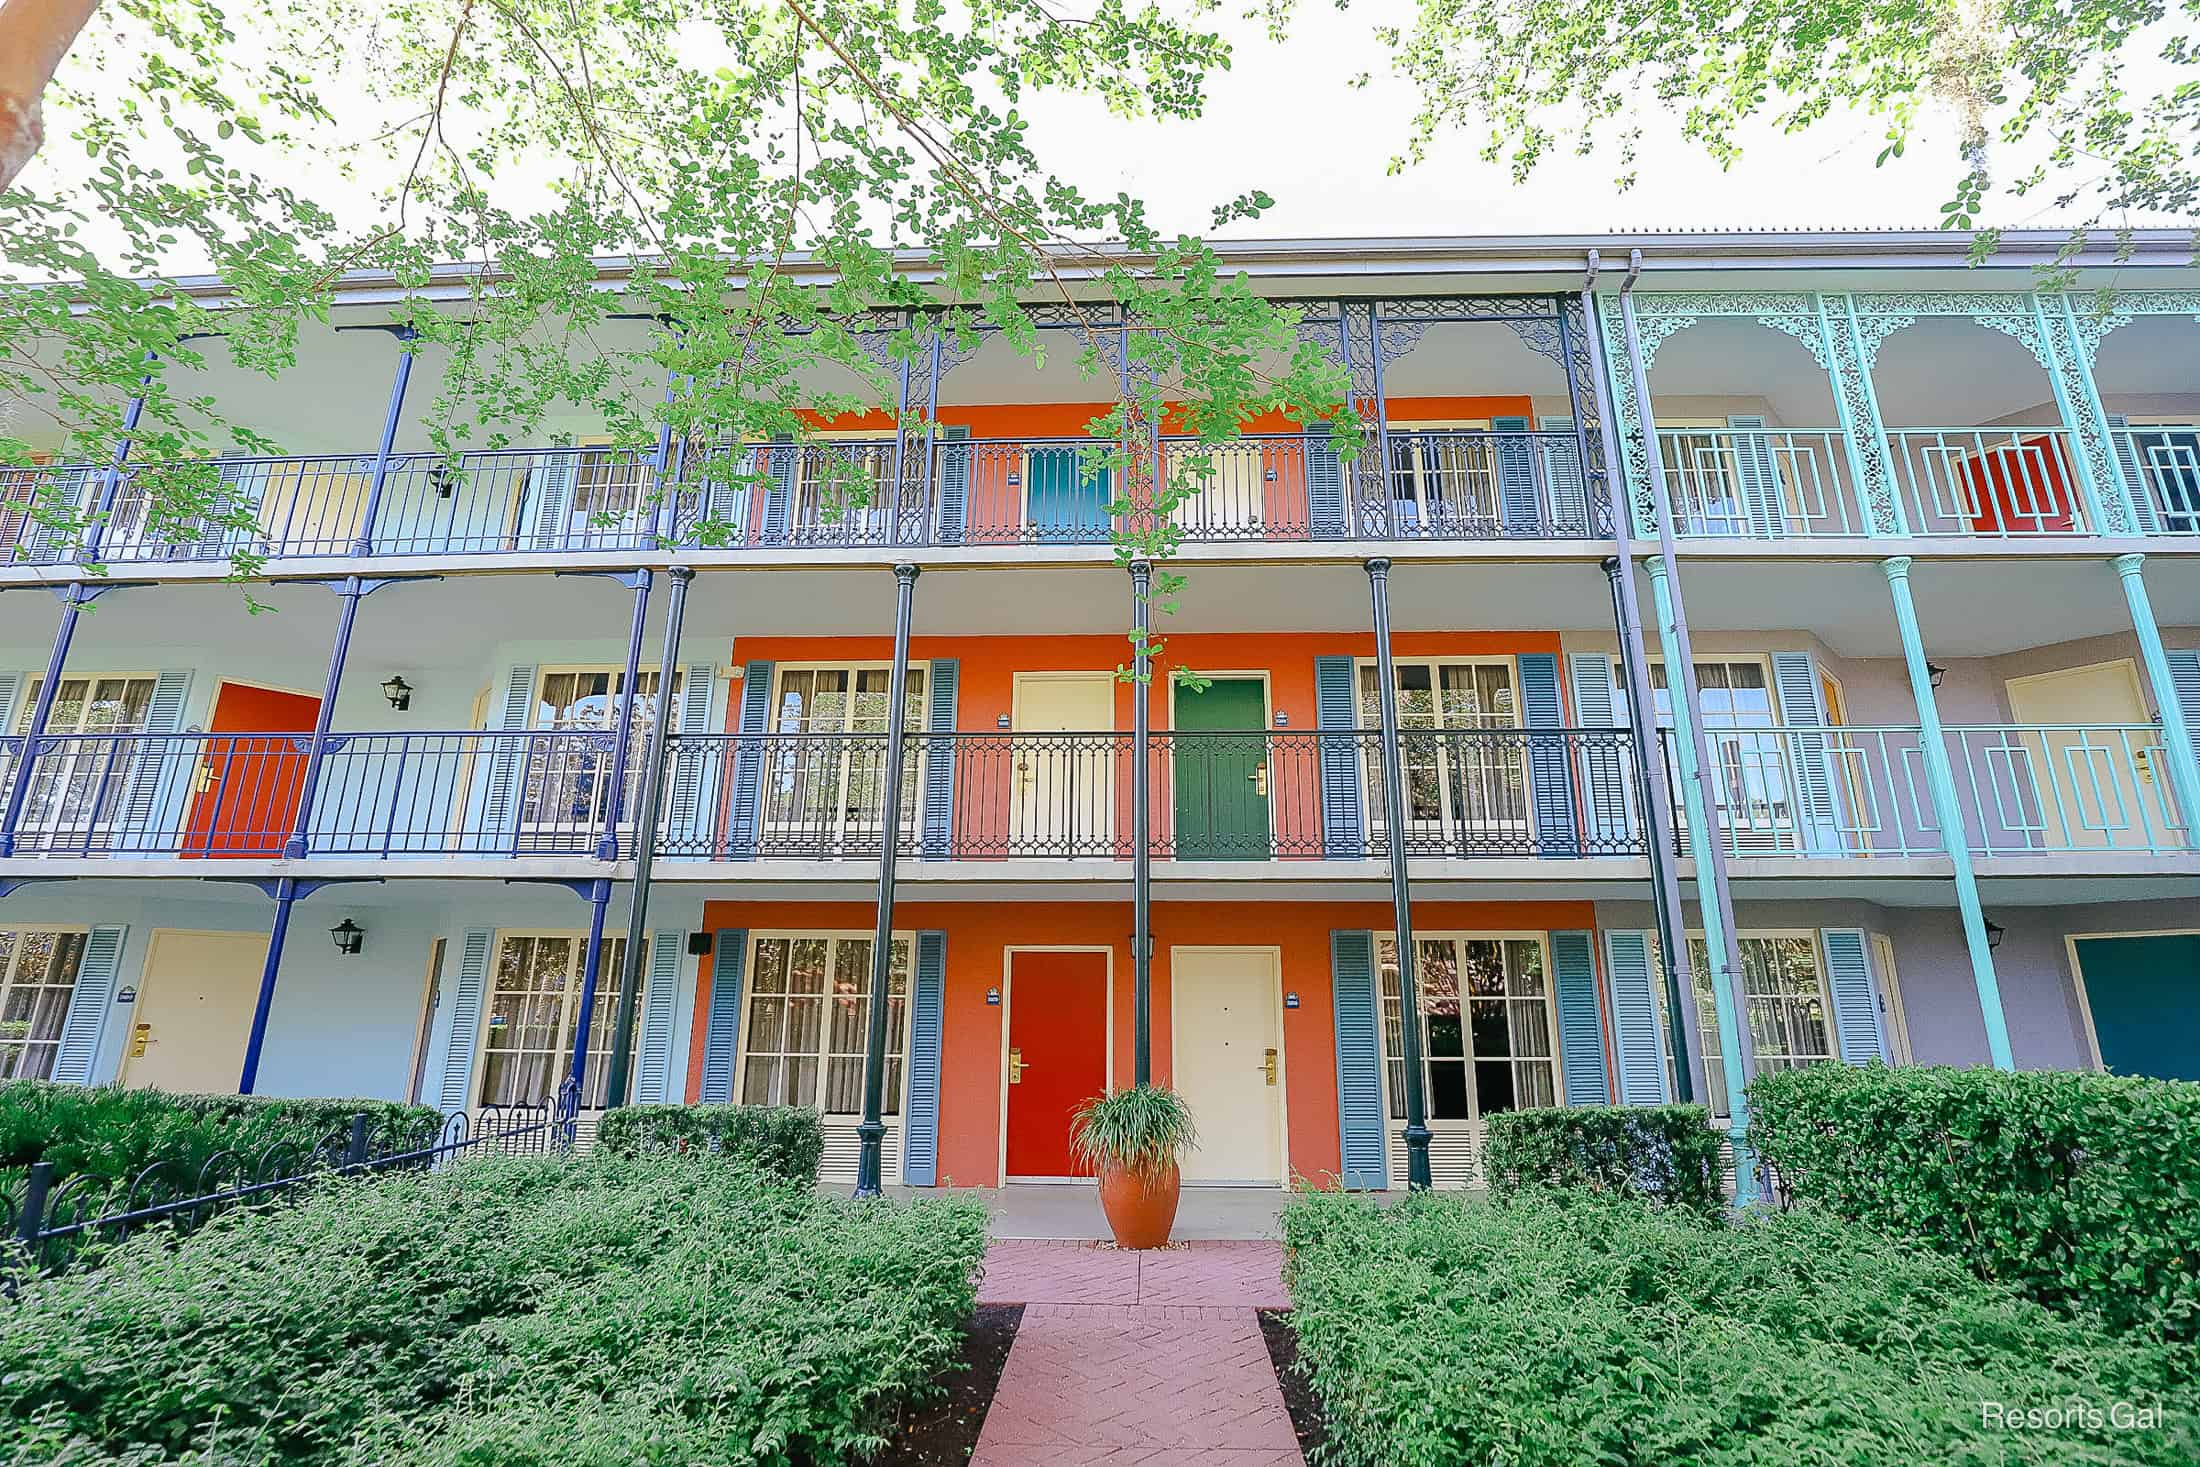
(349, 937)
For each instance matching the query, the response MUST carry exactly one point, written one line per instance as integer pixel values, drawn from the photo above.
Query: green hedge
(1663, 1153)
(2083, 1190)
(607, 1310)
(117, 1133)
(1565, 1328)
(785, 1141)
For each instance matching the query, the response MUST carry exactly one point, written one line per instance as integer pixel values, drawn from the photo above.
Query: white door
(2098, 786)
(1064, 788)
(1228, 1062)
(194, 1011)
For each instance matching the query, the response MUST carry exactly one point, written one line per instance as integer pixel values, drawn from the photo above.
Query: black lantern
(399, 692)
(349, 937)
(1935, 673)
(1994, 934)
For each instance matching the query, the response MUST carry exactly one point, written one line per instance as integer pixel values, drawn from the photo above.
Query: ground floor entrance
(194, 1011)
(2142, 998)
(1057, 1056)
(1228, 1060)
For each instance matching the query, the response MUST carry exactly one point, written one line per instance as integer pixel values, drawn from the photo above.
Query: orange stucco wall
(1065, 419)
(980, 935)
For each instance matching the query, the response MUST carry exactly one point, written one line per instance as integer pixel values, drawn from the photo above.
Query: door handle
(1016, 1067)
(204, 779)
(1268, 1067)
(1023, 775)
(140, 1036)
(1259, 777)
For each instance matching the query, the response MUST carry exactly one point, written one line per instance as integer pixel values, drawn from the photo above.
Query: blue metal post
(111, 483)
(607, 848)
(1940, 778)
(871, 1130)
(599, 902)
(286, 897)
(350, 590)
(73, 599)
(2184, 765)
(1401, 899)
(364, 544)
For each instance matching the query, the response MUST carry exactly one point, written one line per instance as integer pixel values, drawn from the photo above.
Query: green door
(2145, 996)
(1221, 768)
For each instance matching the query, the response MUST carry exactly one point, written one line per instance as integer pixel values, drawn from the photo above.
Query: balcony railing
(1863, 792)
(2162, 465)
(1761, 483)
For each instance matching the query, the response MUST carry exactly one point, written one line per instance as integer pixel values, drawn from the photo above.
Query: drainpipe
(1141, 829)
(645, 844)
(1401, 902)
(1714, 897)
(2177, 747)
(872, 1130)
(607, 846)
(1684, 1035)
(599, 902)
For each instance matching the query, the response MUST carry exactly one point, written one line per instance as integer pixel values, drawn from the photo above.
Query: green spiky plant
(1143, 1130)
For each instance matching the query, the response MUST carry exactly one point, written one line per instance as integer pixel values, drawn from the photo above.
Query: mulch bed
(1307, 1420)
(943, 1432)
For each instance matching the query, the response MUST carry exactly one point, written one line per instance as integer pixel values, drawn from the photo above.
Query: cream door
(194, 1011)
(1064, 789)
(1228, 1061)
(2098, 788)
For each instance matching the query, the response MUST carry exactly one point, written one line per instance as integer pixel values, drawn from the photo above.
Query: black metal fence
(52, 1223)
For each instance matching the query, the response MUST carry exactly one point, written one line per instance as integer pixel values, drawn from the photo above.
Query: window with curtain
(80, 781)
(37, 977)
(1486, 1025)
(1460, 780)
(809, 1014)
(569, 779)
(534, 1014)
(826, 780)
(1749, 763)
(1790, 1009)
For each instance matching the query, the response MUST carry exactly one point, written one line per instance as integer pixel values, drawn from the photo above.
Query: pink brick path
(1137, 1359)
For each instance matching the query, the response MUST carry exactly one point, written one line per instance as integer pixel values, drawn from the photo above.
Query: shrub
(1665, 1153)
(782, 1141)
(1565, 1328)
(508, 1310)
(2082, 1190)
(114, 1133)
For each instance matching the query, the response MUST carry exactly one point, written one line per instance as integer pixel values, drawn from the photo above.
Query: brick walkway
(1137, 1359)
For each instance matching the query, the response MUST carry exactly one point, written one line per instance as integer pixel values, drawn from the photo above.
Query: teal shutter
(1560, 454)
(1635, 1034)
(2135, 477)
(939, 760)
(1359, 1061)
(1324, 485)
(1336, 715)
(504, 793)
(722, 1031)
(1856, 1026)
(1550, 771)
(159, 778)
(954, 451)
(89, 1001)
(1580, 1020)
(748, 760)
(467, 998)
(1519, 507)
(1607, 769)
(1763, 506)
(550, 495)
(660, 1004)
(1816, 814)
(2184, 676)
(691, 773)
(920, 1136)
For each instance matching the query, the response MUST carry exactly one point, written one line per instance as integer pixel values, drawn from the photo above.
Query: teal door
(1065, 498)
(1221, 769)
(2145, 996)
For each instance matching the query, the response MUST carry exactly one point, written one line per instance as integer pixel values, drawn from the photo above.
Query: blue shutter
(89, 1001)
(11, 683)
(920, 1136)
(2184, 676)
(1856, 1026)
(1580, 1020)
(1607, 770)
(1519, 507)
(1324, 485)
(1560, 454)
(550, 492)
(939, 760)
(954, 453)
(467, 997)
(507, 765)
(722, 1032)
(2135, 480)
(1635, 1034)
(1336, 714)
(691, 778)
(1763, 508)
(780, 462)
(159, 780)
(1550, 771)
(653, 1080)
(1359, 1061)
(74, 489)
(1817, 818)
(748, 760)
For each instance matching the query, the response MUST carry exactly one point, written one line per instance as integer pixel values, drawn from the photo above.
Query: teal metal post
(1940, 777)
(1733, 1031)
(2184, 764)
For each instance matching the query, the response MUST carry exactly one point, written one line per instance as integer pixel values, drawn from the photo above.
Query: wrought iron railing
(1470, 484)
(1864, 792)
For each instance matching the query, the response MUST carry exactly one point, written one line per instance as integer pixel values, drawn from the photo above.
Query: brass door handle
(1016, 1067)
(203, 780)
(140, 1036)
(1259, 777)
(1268, 1067)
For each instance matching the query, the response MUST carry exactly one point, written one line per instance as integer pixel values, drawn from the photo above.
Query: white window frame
(104, 807)
(897, 1102)
(12, 1049)
(1474, 1119)
(1509, 758)
(599, 1035)
(837, 829)
(532, 821)
(1707, 1017)
(806, 507)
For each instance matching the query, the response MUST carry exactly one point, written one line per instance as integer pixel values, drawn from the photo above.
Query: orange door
(248, 785)
(1057, 1054)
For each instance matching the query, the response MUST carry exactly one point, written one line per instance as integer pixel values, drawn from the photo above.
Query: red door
(248, 786)
(1057, 1054)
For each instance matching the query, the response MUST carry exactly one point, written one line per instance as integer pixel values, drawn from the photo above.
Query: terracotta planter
(1141, 1207)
